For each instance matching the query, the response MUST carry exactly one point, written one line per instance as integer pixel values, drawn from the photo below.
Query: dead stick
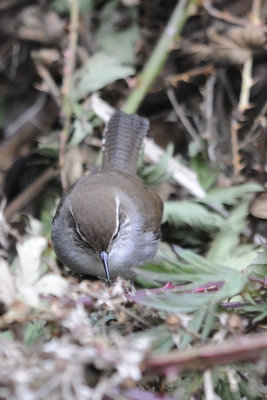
(242, 348)
(29, 193)
(70, 57)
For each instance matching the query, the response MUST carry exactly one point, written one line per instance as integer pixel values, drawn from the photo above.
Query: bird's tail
(122, 141)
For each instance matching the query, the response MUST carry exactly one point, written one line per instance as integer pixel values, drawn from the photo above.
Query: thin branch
(157, 60)
(247, 82)
(256, 12)
(134, 316)
(67, 85)
(242, 348)
(49, 81)
(181, 115)
(235, 148)
(243, 104)
(208, 386)
(188, 75)
(29, 193)
(25, 129)
(227, 17)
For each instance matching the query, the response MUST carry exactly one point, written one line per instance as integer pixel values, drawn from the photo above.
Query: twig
(256, 11)
(181, 115)
(49, 81)
(29, 193)
(242, 348)
(134, 316)
(67, 86)
(247, 82)
(5, 229)
(208, 386)
(209, 129)
(24, 130)
(26, 117)
(243, 104)
(155, 63)
(186, 76)
(227, 17)
(235, 147)
(181, 174)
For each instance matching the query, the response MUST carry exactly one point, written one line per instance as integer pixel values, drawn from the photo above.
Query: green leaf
(34, 331)
(99, 71)
(194, 326)
(7, 335)
(159, 337)
(193, 214)
(209, 321)
(231, 195)
(193, 268)
(49, 144)
(176, 302)
(46, 213)
(198, 162)
(259, 309)
(226, 248)
(120, 43)
(63, 6)
(80, 131)
(153, 175)
(258, 268)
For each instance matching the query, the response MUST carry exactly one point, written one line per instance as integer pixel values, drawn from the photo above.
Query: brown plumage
(110, 212)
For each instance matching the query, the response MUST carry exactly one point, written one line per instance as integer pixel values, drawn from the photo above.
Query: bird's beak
(104, 258)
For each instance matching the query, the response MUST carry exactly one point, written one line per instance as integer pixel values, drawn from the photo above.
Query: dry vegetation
(196, 326)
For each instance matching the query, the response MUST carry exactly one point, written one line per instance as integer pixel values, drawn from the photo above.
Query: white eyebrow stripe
(77, 227)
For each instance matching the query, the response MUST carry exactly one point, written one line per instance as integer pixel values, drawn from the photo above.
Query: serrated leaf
(177, 302)
(197, 270)
(99, 71)
(231, 195)
(226, 248)
(193, 214)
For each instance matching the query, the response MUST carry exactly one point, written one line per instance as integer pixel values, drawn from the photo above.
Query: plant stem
(67, 85)
(242, 348)
(157, 60)
(247, 82)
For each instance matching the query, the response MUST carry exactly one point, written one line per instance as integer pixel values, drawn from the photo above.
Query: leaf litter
(195, 325)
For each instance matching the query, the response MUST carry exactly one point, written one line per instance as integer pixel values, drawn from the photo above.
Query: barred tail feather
(122, 141)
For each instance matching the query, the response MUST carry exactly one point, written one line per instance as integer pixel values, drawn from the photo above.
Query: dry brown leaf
(34, 24)
(250, 37)
(232, 46)
(258, 207)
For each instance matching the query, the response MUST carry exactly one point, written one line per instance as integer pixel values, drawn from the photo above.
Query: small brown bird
(109, 221)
